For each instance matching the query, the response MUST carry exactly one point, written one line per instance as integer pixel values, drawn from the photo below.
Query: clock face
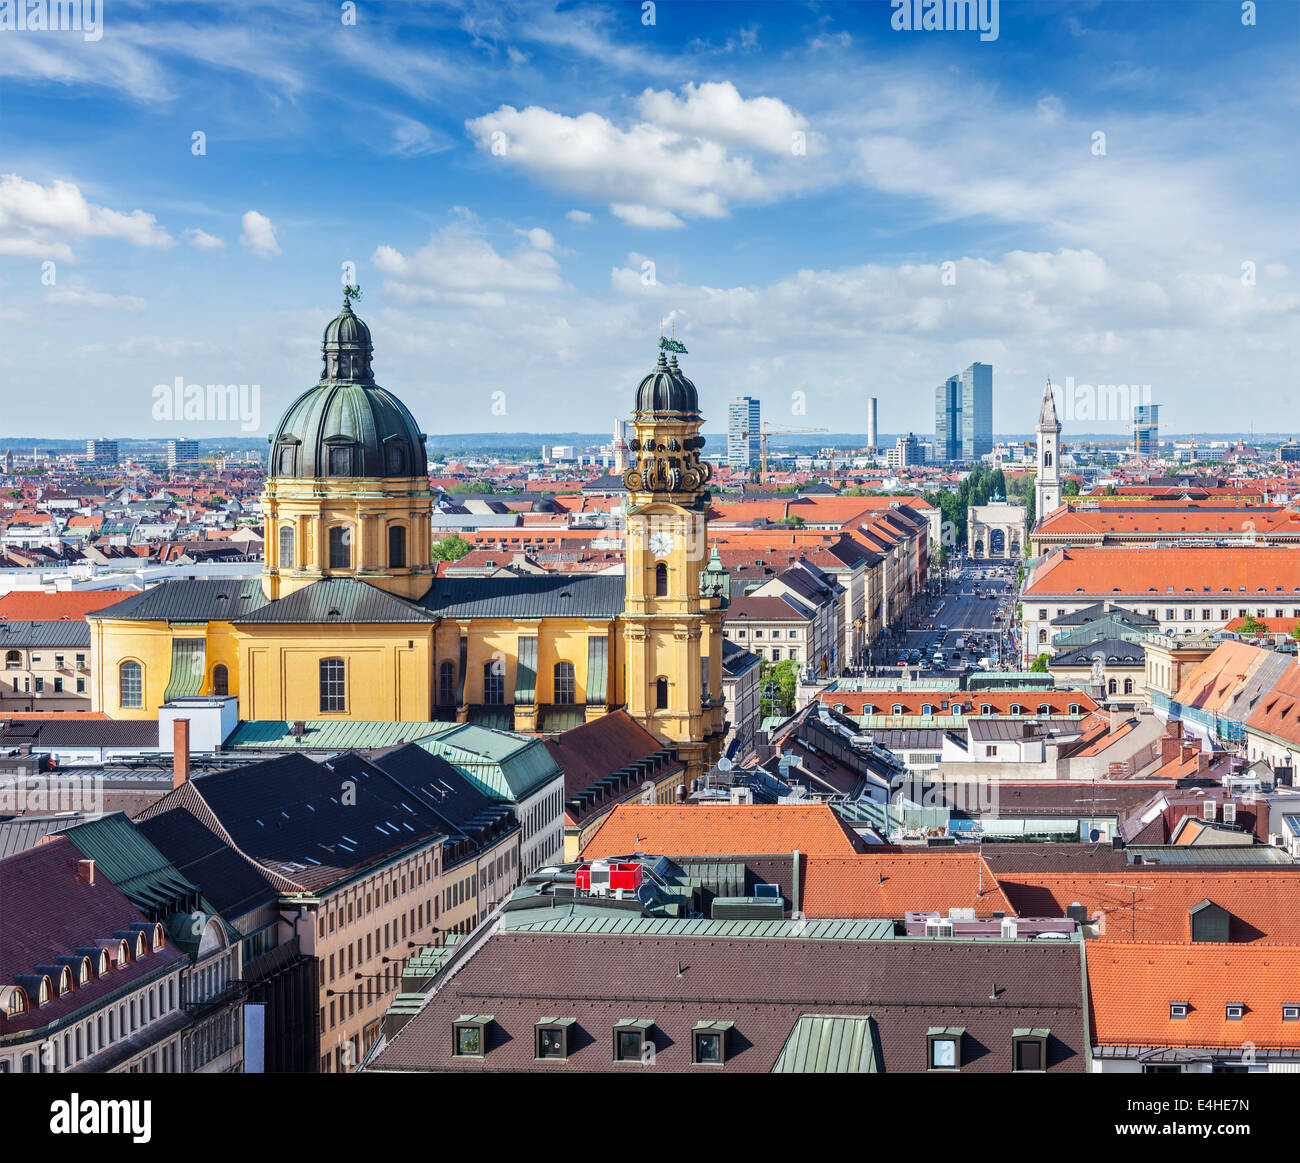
(661, 544)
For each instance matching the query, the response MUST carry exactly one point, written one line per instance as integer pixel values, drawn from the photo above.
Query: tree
(1040, 664)
(451, 548)
(1295, 631)
(783, 677)
(1071, 488)
(1252, 625)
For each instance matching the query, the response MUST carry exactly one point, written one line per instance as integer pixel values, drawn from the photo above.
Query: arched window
(1017, 709)
(494, 683)
(220, 679)
(18, 1001)
(927, 708)
(44, 998)
(447, 684)
(340, 547)
(397, 547)
(130, 685)
(13, 659)
(1047, 460)
(333, 686)
(986, 708)
(898, 709)
(84, 971)
(661, 580)
(65, 981)
(1128, 686)
(661, 693)
(1112, 687)
(103, 963)
(1044, 709)
(286, 547)
(565, 685)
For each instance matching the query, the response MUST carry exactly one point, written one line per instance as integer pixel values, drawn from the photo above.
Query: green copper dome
(347, 425)
(666, 389)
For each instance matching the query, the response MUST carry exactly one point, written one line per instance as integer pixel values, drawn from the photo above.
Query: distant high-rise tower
(1047, 488)
(872, 434)
(102, 452)
(182, 454)
(1146, 430)
(963, 415)
(743, 435)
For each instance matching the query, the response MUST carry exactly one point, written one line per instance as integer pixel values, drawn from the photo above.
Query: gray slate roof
(189, 600)
(598, 596)
(68, 632)
(340, 600)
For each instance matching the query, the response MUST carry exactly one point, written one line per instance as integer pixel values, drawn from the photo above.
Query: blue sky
(811, 278)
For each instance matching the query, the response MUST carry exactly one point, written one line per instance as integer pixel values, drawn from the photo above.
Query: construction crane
(784, 430)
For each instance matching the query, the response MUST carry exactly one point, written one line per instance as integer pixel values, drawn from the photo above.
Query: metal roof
(189, 600)
(131, 863)
(70, 632)
(596, 596)
(329, 734)
(829, 1044)
(1208, 854)
(505, 766)
(339, 601)
(625, 925)
(23, 832)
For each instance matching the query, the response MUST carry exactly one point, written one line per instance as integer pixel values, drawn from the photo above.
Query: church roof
(189, 600)
(337, 600)
(1047, 413)
(597, 596)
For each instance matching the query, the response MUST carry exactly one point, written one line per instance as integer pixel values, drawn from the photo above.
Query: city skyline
(577, 180)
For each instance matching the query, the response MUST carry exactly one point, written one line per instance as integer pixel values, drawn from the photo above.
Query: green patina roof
(504, 766)
(830, 1044)
(330, 734)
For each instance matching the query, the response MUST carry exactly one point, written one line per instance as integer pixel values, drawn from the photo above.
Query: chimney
(1202, 762)
(1168, 749)
(180, 751)
(86, 871)
(1116, 720)
(1188, 750)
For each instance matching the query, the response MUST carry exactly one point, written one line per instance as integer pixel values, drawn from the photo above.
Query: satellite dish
(724, 764)
(1094, 835)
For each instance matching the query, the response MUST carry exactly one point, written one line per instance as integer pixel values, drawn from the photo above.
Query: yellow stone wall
(366, 507)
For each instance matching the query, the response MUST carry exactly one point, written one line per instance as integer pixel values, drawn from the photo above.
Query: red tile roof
(1259, 572)
(39, 606)
(721, 830)
(890, 884)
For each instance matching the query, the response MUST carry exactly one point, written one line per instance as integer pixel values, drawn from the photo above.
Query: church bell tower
(672, 617)
(1047, 486)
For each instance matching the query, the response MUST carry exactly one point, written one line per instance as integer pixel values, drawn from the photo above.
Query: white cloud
(580, 217)
(645, 216)
(79, 297)
(202, 240)
(457, 266)
(259, 234)
(715, 111)
(38, 221)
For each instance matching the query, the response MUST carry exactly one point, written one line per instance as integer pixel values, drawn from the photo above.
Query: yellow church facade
(349, 621)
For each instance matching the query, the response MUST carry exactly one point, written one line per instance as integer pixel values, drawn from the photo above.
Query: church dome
(666, 389)
(347, 425)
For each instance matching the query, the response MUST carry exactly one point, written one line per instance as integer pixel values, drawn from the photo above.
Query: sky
(821, 207)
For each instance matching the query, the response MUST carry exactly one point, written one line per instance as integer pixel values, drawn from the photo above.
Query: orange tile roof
(890, 884)
(1259, 571)
(1278, 711)
(1131, 983)
(1264, 903)
(1215, 680)
(1271, 625)
(720, 830)
(40, 606)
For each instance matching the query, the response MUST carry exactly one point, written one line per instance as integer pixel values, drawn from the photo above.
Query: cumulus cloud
(580, 217)
(460, 267)
(715, 111)
(202, 240)
(39, 221)
(259, 234)
(646, 216)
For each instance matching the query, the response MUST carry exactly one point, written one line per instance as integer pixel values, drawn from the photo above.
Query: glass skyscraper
(963, 415)
(742, 433)
(1146, 430)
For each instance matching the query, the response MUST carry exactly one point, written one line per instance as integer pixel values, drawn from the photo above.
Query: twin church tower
(349, 620)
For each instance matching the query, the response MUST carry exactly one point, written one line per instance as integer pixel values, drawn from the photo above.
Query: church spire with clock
(672, 622)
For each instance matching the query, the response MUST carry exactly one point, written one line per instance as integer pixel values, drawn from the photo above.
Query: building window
(130, 684)
(943, 1048)
(1234, 1011)
(340, 461)
(630, 1039)
(13, 660)
(333, 686)
(446, 684)
(1029, 1050)
(220, 680)
(470, 1039)
(1291, 1013)
(565, 683)
(286, 547)
(494, 683)
(1178, 1010)
(553, 1038)
(661, 580)
(661, 693)
(340, 547)
(397, 547)
(709, 1043)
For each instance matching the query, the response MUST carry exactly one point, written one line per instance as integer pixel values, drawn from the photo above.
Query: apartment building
(46, 666)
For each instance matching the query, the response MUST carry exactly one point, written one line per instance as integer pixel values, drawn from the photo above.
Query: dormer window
(157, 937)
(943, 1047)
(1178, 1010)
(470, 1035)
(1234, 1011)
(1291, 1013)
(140, 949)
(65, 981)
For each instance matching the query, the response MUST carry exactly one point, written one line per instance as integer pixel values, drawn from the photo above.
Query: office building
(906, 451)
(1146, 430)
(101, 452)
(743, 433)
(963, 415)
(182, 454)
